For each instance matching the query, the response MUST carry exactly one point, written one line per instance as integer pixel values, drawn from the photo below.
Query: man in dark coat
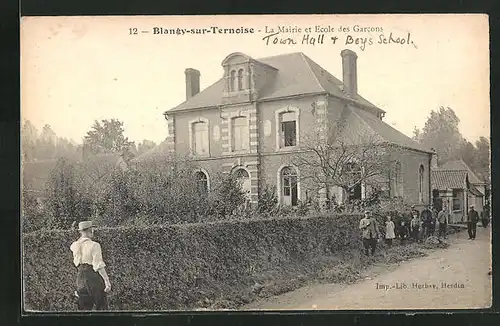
(485, 214)
(442, 219)
(472, 219)
(426, 217)
(370, 233)
(432, 226)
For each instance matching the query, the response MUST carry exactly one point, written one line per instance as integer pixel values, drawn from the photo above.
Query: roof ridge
(279, 55)
(306, 58)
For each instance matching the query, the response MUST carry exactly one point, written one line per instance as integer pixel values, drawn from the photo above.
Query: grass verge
(347, 268)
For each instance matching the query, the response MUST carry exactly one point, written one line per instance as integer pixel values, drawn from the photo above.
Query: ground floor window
(355, 192)
(244, 179)
(201, 182)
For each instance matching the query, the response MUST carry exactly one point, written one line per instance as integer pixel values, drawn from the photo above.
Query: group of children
(416, 228)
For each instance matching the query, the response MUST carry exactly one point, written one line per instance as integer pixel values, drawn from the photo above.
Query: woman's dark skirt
(90, 288)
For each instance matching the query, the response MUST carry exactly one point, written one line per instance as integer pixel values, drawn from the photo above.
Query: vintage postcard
(252, 163)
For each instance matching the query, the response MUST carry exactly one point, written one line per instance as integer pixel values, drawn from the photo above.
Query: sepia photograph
(255, 163)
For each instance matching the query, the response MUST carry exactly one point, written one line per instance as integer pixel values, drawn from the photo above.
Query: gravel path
(453, 278)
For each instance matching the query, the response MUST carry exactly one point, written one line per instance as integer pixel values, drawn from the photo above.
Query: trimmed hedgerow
(179, 266)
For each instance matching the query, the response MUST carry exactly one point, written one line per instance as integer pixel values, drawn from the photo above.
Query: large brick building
(250, 123)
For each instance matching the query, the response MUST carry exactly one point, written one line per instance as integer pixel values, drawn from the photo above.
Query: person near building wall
(472, 219)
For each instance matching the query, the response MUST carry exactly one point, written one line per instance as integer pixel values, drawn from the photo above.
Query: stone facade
(265, 155)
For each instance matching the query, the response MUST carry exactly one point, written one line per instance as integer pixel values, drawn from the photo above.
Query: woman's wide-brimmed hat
(85, 225)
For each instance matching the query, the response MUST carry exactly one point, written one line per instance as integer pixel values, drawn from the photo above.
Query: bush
(63, 195)
(268, 200)
(155, 194)
(176, 266)
(226, 197)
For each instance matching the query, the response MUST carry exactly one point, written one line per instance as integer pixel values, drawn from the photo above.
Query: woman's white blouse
(86, 251)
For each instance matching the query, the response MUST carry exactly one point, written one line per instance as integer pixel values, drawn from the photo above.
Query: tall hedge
(175, 266)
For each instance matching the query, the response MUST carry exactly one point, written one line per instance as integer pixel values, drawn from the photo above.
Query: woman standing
(389, 231)
(92, 281)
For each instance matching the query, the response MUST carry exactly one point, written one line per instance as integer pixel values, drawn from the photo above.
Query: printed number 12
(133, 31)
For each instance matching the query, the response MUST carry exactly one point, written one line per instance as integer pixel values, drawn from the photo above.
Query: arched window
(240, 79)
(232, 81)
(289, 186)
(421, 171)
(201, 182)
(397, 181)
(244, 178)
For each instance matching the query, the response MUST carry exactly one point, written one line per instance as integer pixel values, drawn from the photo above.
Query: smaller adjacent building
(455, 186)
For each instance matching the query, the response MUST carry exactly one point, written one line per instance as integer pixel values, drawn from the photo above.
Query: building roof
(448, 179)
(366, 123)
(296, 74)
(460, 165)
(476, 192)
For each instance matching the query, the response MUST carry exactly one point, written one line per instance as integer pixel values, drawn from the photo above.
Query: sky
(75, 70)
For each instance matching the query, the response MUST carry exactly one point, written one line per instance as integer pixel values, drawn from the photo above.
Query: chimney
(434, 159)
(192, 82)
(349, 72)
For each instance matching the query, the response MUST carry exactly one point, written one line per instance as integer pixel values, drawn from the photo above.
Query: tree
(107, 136)
(468, 153)
(483, 159)
(46, 143)
(336, 161)
(29, 137)
(67, 149)
(417, 135)
(441, 133)
(145, 146)
(63, 197)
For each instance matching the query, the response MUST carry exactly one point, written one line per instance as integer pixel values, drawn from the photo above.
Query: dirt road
(451, 278)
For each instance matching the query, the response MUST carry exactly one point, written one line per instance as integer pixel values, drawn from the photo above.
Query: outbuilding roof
(448, 179)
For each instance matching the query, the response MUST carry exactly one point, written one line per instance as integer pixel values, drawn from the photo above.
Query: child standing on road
(415, 227)
(389, 231)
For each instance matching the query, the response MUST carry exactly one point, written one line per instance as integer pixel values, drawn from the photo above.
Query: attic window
(232, 81)
(240, 79)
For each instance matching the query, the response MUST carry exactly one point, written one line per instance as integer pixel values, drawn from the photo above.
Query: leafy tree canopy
(107, 136)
